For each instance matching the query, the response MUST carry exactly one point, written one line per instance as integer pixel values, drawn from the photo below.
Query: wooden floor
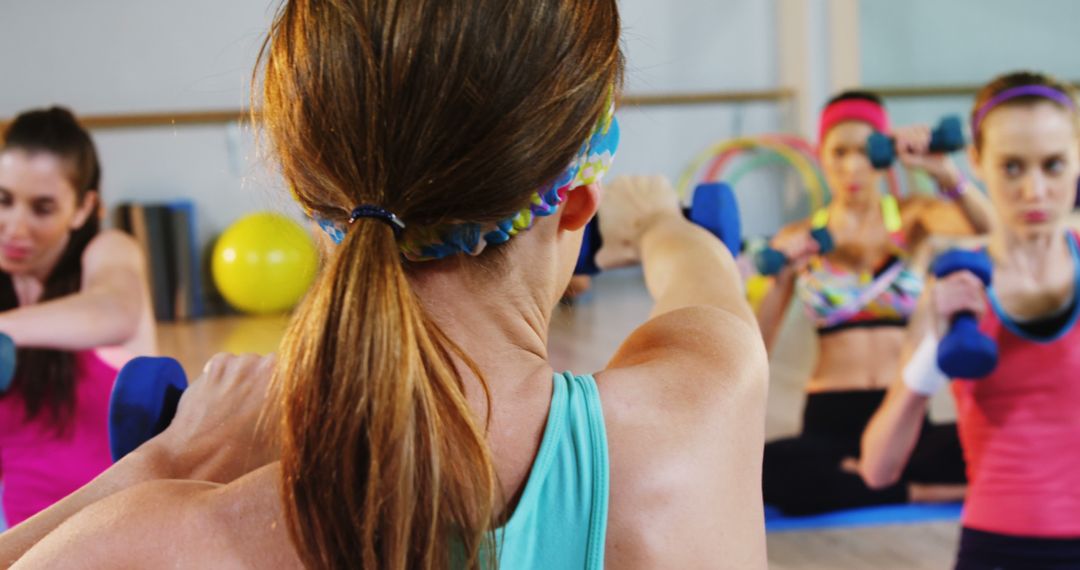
(583, 337)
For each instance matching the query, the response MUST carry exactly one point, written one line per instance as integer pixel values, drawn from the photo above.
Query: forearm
(75, 322)
(140, 466)
(770, 313)
(685, 265)
(890, 436)
(976, 208)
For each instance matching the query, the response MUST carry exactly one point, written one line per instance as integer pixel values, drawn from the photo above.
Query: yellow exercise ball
(757, 286)
(264, 263)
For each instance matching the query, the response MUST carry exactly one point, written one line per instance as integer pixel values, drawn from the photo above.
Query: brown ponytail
(436, 110)
(381, 452)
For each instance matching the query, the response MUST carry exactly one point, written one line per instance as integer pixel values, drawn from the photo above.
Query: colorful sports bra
(837, 299)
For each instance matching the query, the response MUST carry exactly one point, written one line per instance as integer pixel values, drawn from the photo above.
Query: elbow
(878, 476)
(128, 325)
(123, 316)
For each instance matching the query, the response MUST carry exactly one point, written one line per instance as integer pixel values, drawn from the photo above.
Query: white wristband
(921, 373)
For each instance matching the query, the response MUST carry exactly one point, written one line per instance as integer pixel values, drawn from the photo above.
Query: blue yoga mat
(775, 521)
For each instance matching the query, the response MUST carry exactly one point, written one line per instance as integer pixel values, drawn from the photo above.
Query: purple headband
(1043, 91)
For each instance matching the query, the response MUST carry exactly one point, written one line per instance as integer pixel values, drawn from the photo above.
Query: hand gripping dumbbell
(965, 352)
(712, 207)
(947, 137)
(770, 261)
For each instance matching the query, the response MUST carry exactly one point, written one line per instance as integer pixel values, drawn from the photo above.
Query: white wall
(699, 46)
(129, 56)
(123, 56)
(928, 42)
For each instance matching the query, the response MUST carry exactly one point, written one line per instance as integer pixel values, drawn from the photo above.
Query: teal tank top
(561, 519)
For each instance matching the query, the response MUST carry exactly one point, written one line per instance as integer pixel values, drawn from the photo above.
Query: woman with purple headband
(1019, 425)
(453, 150)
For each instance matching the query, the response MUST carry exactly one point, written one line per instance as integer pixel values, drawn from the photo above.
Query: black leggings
(802, 475)
(991, 551)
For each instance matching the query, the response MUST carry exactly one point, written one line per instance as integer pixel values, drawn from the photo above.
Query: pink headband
(853, 110)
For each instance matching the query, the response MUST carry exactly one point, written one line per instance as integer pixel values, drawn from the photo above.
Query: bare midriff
(857, 359)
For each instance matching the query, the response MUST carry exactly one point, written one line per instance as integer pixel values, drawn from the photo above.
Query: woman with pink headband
(1018, 425)
(859, 297)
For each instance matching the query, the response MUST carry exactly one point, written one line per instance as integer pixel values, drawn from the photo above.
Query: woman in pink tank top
(73, 299)
(1018, 426)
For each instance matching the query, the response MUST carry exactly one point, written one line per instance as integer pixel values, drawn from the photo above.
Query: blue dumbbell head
(824, 240)
(977, 262)
(769, 261)
(965, 352)
(880, 150)
(714, 208)
(144, 400)
(948, 136)
(7, 362)
(590, 244)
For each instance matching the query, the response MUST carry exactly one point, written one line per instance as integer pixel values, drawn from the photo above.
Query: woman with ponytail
(74, 301)
(453, 149)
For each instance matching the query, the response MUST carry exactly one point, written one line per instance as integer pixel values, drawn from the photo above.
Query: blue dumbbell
(712, 207)
(590, 244)
(8, 362)
(948, 136)
(770, 261)
(965, 352)
(143, 403)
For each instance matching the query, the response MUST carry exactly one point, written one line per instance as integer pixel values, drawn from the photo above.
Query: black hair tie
(381, 214)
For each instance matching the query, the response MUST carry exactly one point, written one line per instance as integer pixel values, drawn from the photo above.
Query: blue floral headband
(588, 167)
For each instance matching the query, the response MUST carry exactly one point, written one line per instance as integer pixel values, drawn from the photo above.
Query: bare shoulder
(685, 426)
(248, 517)
(142, 527)
(689, 354)
(178, 524)
(113, 241)
(917, 201)
(113, 247)
(796, 227)
(935, 216)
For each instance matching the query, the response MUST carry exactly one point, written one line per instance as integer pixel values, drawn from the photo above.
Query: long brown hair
(437, 110)
(45, 378)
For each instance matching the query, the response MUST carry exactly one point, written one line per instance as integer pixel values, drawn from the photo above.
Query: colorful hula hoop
(796, 156)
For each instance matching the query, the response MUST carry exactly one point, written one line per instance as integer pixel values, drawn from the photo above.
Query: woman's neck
(500, 325)
(28, 289)
(29, 286)
(855, 211)
(1034, 255)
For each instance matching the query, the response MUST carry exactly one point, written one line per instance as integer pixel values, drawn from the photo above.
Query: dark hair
(856, 95)
(46, 378)
(1015, 79)
(436, 110)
